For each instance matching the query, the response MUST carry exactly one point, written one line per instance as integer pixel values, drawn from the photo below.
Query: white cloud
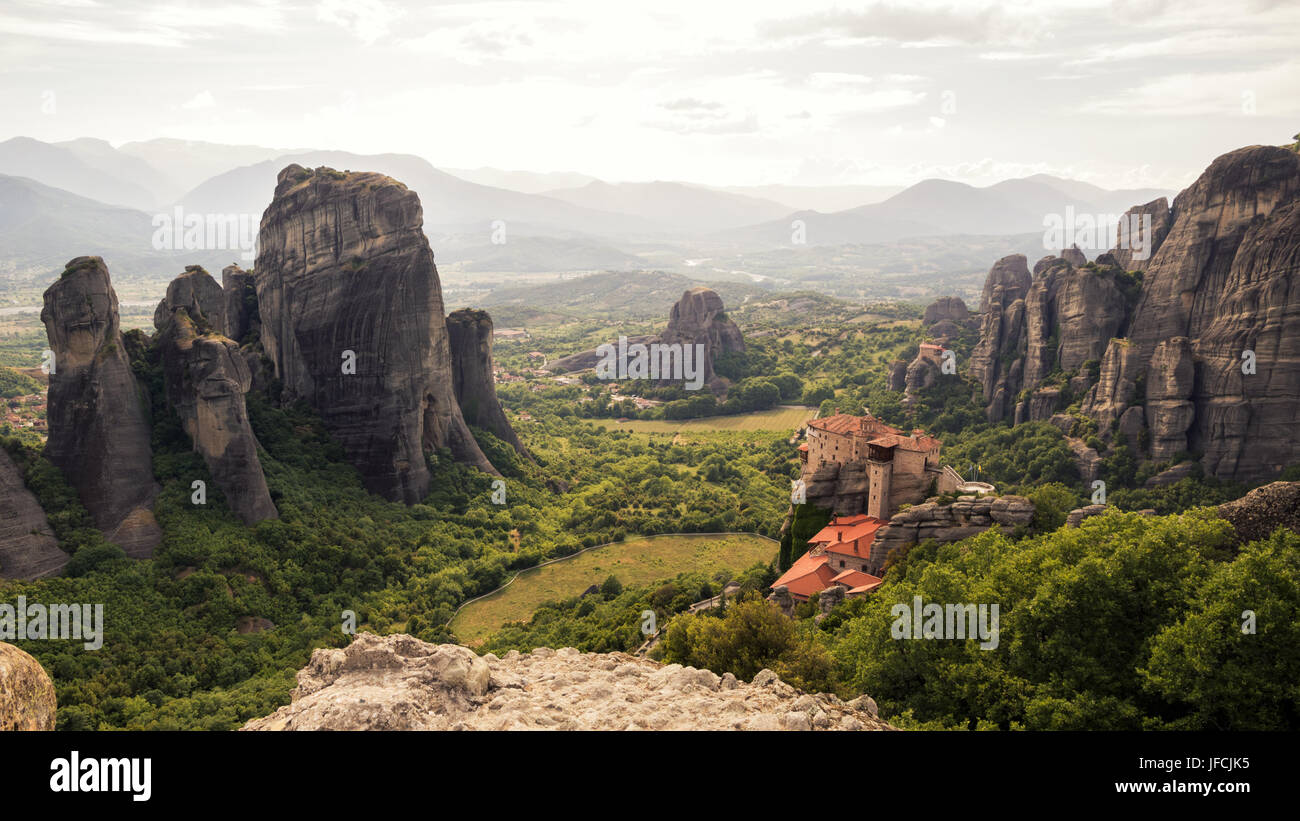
(200, 101)
(367, 20)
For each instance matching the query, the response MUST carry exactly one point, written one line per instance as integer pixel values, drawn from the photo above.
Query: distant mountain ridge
(937, 207)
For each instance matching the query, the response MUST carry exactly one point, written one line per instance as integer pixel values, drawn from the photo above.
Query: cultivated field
(784, 418)
(634, 562)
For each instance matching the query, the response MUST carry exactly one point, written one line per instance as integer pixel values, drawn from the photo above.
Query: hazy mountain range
(61, 200)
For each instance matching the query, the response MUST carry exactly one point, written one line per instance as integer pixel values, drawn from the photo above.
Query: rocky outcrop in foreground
(401, 683)
(28, 550)
(352, 318)
(99, 431)
(27, 699)
(469, 334)
(969, 516)
(206, 379)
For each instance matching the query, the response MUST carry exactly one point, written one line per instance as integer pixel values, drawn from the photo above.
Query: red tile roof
(920, 444)
(849, 536)
(855, 578)
(810, 574)
(839, 423)
(866, 588)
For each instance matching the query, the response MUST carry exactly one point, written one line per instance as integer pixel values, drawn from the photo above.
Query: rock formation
(1062, 319)
(241, 303)
(1205, 358)
(1262, 511)
(27, 700)
(352, 318)
(841, 487)
(99, 430)
(946, 308)
(698, 318)
(898, 375)
(969, 516)
(1134, 245)
(206, 379)
(469, 334)
(28, 549)
(401, 683)
(201, 297)
(997, 362)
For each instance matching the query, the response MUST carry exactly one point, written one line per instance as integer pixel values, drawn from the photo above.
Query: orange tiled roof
(810, 574)
(839, 423)
(920, 444)
(830, 533)
(843, 534)
(866, 588)
(854, 579)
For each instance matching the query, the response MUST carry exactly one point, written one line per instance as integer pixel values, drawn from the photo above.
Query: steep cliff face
(1062, 319)
(1135, 247)
(698, 318)
(469, 334)
(1245, 423)
(1223, 286)
(28, 549)
(997, 361)
(1211, 362)
(99, 428)
(345, 277)
(241, 302)
(1186, 280)
(206, 379)
(402, 683)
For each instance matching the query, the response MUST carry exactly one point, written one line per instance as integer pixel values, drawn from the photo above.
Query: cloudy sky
(1122, 94)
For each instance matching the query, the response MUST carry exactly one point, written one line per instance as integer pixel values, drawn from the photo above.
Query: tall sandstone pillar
(98, 413)
(352, 319)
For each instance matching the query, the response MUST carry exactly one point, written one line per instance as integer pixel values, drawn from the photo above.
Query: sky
(1121, 94)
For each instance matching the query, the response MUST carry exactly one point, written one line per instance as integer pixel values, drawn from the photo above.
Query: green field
(634, 562)
(786, 418)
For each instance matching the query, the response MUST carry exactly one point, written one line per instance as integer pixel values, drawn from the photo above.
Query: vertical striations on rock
(99, 430)
(345, 277)
(206, 379)
(241, 302)
(1211, 363)
(1134, 244)
(699, 318)
(469, 334)
(27, 548)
